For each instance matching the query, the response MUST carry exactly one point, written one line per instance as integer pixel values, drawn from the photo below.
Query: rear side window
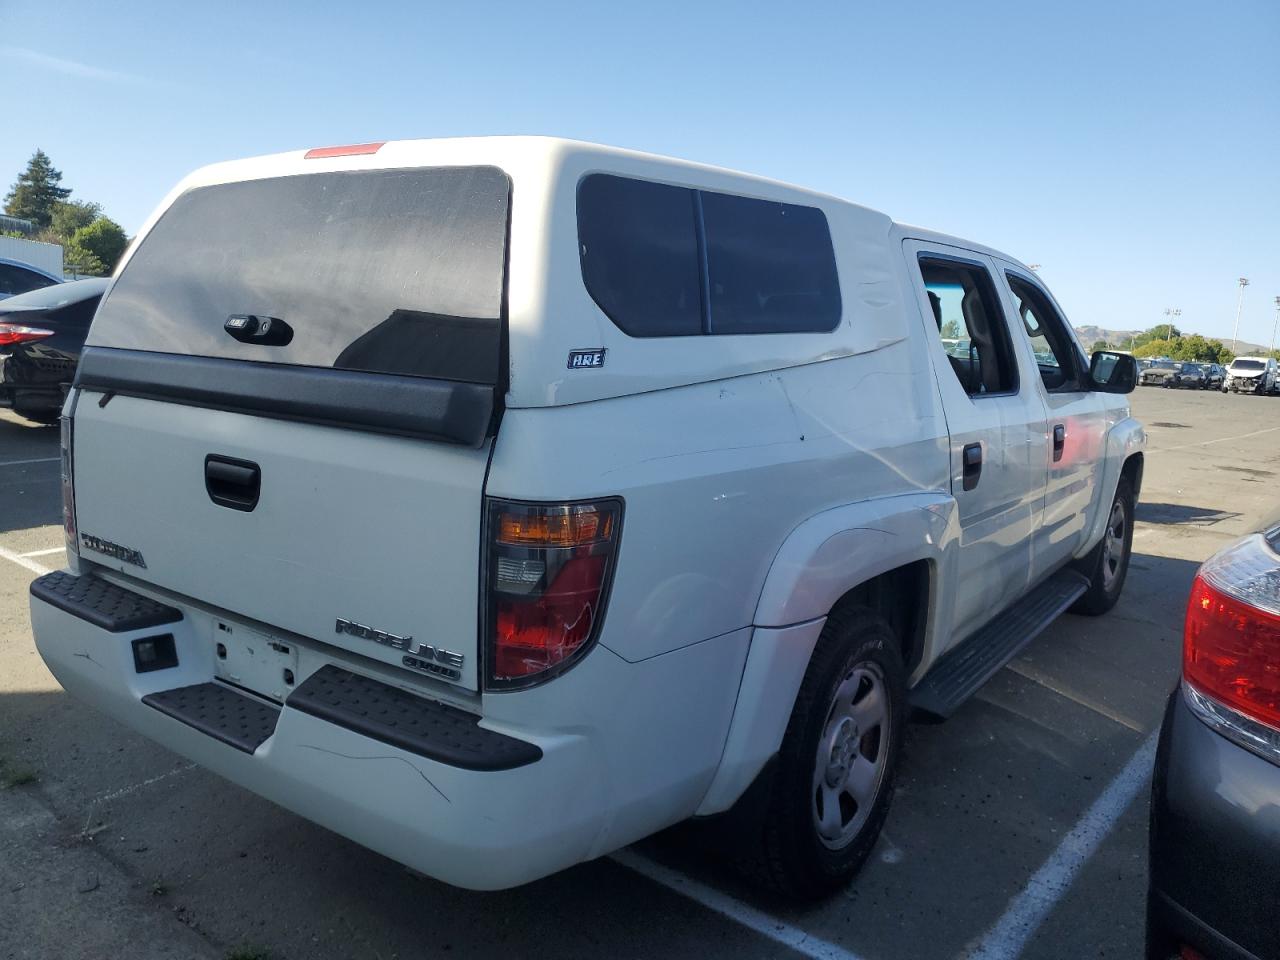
(661, 260)
(971, 325)
(639, 253)
(386, 271)
(15, 280)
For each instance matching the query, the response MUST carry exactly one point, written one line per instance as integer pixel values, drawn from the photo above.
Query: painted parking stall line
(1048, 885)
(42, 553)
(20, 560)
(23, 463)
(774, 929)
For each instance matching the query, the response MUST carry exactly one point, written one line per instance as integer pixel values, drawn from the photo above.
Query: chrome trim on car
(1253, 736)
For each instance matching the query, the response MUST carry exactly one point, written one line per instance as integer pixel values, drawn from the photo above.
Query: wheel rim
(851, 758)
(1113, 545)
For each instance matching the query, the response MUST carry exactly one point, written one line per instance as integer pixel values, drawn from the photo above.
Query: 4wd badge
(586, 359)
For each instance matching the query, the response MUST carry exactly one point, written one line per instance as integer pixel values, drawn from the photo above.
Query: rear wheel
(1107, 564)
(832, 785)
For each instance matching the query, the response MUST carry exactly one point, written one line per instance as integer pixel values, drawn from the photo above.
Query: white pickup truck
(498, 502)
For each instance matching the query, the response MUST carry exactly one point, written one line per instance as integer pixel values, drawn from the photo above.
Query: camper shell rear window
(662, 260)
(383, 271)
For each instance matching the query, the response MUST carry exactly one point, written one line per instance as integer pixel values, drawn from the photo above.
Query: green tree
(1164, 331)
(104, 239)
(81, 262)
(1155, 348)
(68, 216)
(36, 190)
(951, 330)
(1099, 345)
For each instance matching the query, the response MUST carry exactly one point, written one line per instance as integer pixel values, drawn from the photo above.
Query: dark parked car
(1215, 807)
(1158, 373)
(41, 336)
(1189, 375)
(1215, 375)
(17, 278)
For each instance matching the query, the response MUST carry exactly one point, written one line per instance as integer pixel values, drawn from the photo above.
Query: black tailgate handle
(232, 483)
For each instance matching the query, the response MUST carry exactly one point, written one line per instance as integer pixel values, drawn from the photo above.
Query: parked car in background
(1252, 375)
(1215, 808)
(41, 335)
(17, 277)
(1188, 375)
(1215, 374)
(383, 590)
(1158, 374)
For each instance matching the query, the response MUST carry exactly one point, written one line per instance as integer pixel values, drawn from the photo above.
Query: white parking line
(1048, 885)
(22, 463)
(22, 561)
(1205, 443)
(781, 933)
(42, 553)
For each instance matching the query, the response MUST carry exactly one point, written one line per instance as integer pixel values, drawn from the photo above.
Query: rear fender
(821, 561)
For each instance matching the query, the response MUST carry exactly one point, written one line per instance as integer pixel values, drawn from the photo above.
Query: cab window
(970, 324)
(1050, 342)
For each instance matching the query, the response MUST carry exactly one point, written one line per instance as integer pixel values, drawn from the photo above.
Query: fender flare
(821, 560)
(1125, 438)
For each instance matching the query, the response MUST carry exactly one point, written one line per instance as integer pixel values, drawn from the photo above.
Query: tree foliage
(36, 191)
(951, 330)
(1193, 347)
(68, 216)
(1099, 345)
(104, 239)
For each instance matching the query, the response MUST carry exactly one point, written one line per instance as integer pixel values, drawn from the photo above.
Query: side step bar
(962, 671)
(237, 720)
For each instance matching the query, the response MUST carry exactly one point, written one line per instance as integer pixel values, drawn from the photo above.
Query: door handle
(972, 459)
(1059, 441)
(235, 484)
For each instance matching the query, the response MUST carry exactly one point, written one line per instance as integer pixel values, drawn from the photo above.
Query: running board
(962, 671)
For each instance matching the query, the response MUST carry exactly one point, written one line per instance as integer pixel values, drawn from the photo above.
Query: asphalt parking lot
(1018, 829)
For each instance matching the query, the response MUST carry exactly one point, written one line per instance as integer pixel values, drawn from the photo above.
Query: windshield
(387, 271)
(58, 295)
(1248, 365)
(1191, 368)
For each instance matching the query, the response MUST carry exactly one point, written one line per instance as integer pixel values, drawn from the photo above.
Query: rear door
(995, 423)
(287, 405)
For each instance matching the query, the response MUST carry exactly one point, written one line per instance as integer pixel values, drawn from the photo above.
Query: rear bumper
(1215, 840)
(602, 776)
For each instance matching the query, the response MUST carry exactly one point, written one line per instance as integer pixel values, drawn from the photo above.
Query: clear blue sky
(1133, 149)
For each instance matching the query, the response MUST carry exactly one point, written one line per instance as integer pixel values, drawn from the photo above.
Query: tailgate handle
(231, 483)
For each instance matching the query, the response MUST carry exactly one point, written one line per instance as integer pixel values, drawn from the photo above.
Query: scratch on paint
(345, 756)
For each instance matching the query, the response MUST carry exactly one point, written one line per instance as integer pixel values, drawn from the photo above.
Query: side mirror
(1111, 372)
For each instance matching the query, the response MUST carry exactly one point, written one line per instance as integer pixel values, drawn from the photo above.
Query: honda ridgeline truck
(498, 502)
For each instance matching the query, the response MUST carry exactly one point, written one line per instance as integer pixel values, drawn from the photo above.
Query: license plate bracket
(253, 660)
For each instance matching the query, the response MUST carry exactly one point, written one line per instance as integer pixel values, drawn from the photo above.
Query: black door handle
(235, 484)
(972, 458)
(1059, 441)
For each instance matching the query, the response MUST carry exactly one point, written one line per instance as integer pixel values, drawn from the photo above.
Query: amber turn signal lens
(573, 527)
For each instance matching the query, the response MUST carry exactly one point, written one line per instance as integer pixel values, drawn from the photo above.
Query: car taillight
(549, 571)
(1231, 641)
(68, 488)
(12, 334)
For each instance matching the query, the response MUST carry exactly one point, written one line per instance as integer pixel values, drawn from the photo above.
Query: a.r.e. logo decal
(586, 359)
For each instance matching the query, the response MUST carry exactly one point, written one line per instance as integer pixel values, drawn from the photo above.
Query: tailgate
(382, 532)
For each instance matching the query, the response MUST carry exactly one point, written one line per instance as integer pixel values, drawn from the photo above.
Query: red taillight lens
(550, 567)
(1231, 651)
(11, 334)
(346, 150)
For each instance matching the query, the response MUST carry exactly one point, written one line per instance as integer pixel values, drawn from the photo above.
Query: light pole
(1274, 325)
(1172, 313)
(1235, 334)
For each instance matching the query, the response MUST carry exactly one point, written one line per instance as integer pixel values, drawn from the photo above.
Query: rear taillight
(68, 486)
(12, 334)
(1231, 641)
(549, 571)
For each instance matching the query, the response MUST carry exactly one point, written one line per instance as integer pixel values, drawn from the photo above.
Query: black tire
(785, 851)
(46, 417)
(1106, 585)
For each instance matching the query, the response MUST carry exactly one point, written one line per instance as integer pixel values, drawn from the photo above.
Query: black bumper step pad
(962, 671)
(101, 603)
(238, 720)
(429, 729)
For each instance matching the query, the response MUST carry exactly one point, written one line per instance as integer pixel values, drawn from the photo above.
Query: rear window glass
(1248, 365)
(388, 271)
(662, 260)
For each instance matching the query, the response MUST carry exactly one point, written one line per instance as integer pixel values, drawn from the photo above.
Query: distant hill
(1118, 338)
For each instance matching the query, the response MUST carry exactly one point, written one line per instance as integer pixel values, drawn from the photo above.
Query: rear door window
(662, 260)
(386, 271)
(970, 324)
(1054, 349)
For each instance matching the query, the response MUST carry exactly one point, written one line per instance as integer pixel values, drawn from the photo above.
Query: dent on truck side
(819, 562)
